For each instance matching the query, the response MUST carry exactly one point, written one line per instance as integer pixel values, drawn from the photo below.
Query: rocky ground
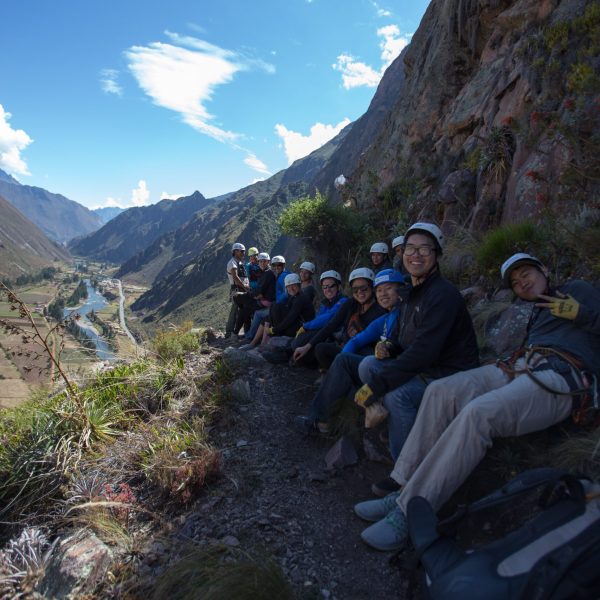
(276, 495)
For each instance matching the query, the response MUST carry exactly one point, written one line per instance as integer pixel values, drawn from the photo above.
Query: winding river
(95, 301)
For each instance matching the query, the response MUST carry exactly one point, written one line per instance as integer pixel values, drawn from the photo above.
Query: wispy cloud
(140, 195)
(12, 143)
(381, 12)
(356, 73)
(297, 145)
(109, 82)
(182, 76)
(255, 163)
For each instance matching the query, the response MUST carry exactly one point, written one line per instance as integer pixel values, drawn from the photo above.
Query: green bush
(499, 244)
(325, 229)
(176, 343)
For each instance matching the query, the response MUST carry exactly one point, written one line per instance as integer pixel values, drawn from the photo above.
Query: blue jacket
(254, 273)
(381, 328)
(326, 312)
(280, 293)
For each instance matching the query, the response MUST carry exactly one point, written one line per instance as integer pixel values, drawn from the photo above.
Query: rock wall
(495, 119)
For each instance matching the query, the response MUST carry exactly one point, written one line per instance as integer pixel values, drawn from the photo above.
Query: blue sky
(127, 102)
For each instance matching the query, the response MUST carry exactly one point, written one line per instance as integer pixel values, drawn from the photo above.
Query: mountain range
(107, 213)
(24, 249)
(58, 217)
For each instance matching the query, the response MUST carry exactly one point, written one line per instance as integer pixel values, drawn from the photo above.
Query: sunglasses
(328, 287)
(360, 288)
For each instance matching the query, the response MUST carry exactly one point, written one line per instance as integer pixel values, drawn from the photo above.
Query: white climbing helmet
(238, 246)
(361, 273)
(264, 256)
(431, 229)
(398, 241)
(517, 260)
(380, 247)
(331, 275)
(308, 266)
(278, 260)
(292, 279)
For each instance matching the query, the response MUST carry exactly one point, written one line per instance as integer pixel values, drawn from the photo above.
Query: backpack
(553, 555)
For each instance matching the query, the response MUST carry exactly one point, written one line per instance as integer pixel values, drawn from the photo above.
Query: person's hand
(300, 331)
(565, 307)
(364, 396)
(270, 331)
(382, 349)
(301, 351)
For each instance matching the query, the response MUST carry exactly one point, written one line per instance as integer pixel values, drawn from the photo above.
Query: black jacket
(434, 336)
(266, 285)
(288, 316)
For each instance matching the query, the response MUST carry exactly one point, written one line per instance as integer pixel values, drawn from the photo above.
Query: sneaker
(309, 426)
(389, 534)
(385, 486)
(375, 510)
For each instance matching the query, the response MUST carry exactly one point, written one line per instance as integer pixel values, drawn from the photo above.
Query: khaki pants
(457, 420)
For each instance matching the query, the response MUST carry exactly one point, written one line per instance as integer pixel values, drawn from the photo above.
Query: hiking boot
(375, 510)
(310, 426)
(385, 486)
(389, 534)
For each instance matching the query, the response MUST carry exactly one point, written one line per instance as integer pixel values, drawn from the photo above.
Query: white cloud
(257, 179)
(357, 74)
(183, 75)
(381, 12)
(255, 163)
(166, 196)
(140, 195)
(297, 145)
(12, 143)
(109, 83)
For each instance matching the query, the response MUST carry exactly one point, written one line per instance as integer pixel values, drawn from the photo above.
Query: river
(95, 301)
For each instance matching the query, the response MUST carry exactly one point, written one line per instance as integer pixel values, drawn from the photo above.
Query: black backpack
(554, 555)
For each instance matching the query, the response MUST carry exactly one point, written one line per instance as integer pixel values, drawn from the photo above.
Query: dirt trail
(276, 495)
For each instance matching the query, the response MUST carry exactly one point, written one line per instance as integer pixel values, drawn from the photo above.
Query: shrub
(499, 244)
(497, 154)
(324, 228)
(218, 573)
(177, 342)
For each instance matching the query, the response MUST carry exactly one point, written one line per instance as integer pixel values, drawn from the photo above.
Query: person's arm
(325, 315)
(438, 318)
(366, 337)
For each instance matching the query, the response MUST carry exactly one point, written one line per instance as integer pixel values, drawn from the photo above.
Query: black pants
(246, 307)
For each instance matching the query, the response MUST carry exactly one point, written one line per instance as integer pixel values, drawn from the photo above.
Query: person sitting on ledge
(379, 257)
(333, 300)
(352, 318)
(553, 375)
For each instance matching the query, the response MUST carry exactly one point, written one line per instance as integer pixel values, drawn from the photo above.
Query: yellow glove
(564, 307)
(364, 396)
(300, 331)
(270, 331)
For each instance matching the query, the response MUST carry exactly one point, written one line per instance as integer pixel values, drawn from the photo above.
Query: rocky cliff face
(497, 118)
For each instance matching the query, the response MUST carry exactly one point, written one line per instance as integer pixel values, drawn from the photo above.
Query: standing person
(460, 415)
(379, 257)
(253, 270)
(352, 318)
(238, 283)
(433, 338)
(306, 272)
(398, 248)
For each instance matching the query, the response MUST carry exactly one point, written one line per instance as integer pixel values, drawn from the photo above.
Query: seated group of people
(404, 347)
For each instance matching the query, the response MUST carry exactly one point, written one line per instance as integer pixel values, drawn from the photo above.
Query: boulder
(240, 359)
(79, 563)
(459, 187)
(240, 391)
(342, 454)
(505, 331)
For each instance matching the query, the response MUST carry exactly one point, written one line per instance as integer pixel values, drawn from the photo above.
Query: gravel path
(275, 494)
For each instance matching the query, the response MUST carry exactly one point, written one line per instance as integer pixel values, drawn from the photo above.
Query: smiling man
(540, 385)
(433, 338)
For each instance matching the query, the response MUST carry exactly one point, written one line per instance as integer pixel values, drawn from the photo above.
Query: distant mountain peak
(4, 176)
